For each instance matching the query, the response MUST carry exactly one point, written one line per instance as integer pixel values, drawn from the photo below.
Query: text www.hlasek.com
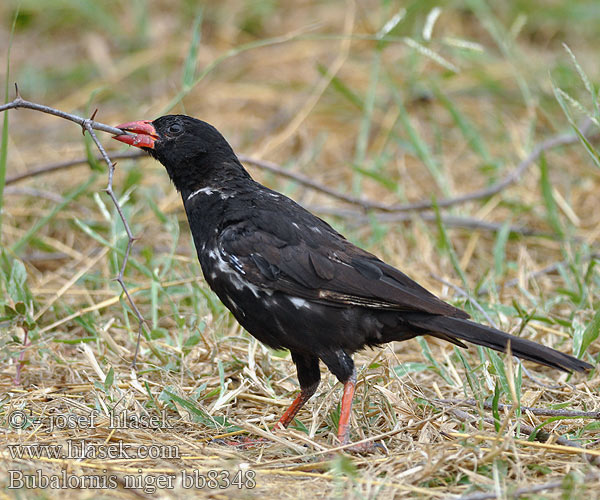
(84, 450)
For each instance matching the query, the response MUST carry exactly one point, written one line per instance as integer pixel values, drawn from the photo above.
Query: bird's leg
(309, 376)
(294, 408)
(286, 418)
(344, 421)
(341, 365)
(346, 410)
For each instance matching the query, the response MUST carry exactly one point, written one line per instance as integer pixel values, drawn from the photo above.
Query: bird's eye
(175, 129)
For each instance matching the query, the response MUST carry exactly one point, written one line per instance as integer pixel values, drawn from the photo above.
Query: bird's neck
(210, 174)
(210, 201)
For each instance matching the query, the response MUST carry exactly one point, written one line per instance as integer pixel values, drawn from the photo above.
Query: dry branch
(511, 178)
(19, 102)
(62, 165)
(549, 269)
(89, 125)
(365, 205)
(355, 215)
(130, 238)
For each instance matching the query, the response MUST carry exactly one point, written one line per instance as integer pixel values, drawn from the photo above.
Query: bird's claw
(365, 448)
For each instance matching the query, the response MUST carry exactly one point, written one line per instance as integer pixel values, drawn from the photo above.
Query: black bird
(294, 282)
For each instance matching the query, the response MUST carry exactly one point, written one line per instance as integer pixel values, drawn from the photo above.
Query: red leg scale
(346, 411)
(290, 413)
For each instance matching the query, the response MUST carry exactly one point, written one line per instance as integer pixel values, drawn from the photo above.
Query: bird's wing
(316, 263)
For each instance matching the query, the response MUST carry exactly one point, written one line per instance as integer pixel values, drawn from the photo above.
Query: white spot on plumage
(205, 190)
(208, 191)
(237, 263)
(234, 306)
(235, 274)
(299, 303)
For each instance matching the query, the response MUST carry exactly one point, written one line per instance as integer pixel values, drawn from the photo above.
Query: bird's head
(191, 150)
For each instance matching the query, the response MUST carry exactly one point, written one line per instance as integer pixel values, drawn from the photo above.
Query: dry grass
(200, 370)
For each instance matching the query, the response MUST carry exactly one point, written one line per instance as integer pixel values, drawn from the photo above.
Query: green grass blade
(89, 145)
(584, 78)
(410, 367)
(495, 411)
(575, 104)
(588, 146)
(469, 131)
(485, 13)
(222, 58)
(16, 248)
(421, 148)
(560, 96)
(446, 244)
(110, 378)
(439, 369)
(4, 148)
(362, 141)
(589, 335)
(189, 68)
(115, 247)
(434, 56)
(197, 414)
(3, 161)
(500, 249)
(471, 380)
(339, 86)
(500, 370)
(549, 201)
(378, 177)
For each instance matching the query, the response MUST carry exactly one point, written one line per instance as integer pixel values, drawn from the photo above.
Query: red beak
(145, 134)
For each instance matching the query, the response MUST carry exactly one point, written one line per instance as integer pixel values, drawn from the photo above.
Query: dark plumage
(290, 279)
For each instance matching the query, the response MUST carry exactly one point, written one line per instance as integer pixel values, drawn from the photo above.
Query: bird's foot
(365, 448)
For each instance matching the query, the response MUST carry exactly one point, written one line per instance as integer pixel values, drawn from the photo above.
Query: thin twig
(359, 216)
(19, 102)
(306, 181)
(36, 193)
(61, 165)
(551, 268)
(511, 178)
(448, 220)
(89, 125)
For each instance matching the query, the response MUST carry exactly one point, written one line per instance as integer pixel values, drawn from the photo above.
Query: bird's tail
(463, 329)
